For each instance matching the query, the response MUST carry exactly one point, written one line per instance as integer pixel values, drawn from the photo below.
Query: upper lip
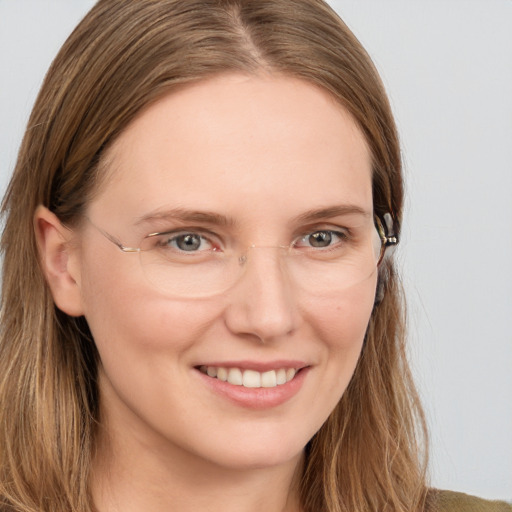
(259, 366)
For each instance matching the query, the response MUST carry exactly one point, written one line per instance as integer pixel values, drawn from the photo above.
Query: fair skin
(260, 152)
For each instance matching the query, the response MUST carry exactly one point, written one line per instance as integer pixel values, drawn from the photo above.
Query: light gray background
(447, 65)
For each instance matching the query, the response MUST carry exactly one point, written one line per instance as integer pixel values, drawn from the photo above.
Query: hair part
(122, 57)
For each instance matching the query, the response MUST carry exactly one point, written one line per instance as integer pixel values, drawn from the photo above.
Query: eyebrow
(184, 215)
(332, 211)
(217, 219)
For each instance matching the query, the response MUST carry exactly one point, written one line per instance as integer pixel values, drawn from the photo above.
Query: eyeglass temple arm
(112, 238)
(390, 238)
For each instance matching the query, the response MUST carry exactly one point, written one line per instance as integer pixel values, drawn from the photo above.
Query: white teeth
(250, 378)
(269, 379)
(235, 376)
(281, 376)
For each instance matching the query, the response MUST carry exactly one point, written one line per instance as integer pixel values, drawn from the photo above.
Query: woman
(200, 308)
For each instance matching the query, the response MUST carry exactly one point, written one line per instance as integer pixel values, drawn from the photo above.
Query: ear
(59, 260)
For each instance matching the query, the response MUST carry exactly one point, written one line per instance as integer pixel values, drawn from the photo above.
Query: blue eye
(188, 242)
(321, 239)
(185, 242)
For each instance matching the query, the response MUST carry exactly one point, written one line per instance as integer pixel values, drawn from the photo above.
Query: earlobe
(59, 260)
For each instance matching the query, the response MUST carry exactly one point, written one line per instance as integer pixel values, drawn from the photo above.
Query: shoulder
(449, 501)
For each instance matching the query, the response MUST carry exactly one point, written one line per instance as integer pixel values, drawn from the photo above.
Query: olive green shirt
(448, 501)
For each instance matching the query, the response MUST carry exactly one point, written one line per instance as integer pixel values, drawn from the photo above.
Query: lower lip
(256, 398)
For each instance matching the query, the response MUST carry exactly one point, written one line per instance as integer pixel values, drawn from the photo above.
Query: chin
(258, 447)
(262, 457)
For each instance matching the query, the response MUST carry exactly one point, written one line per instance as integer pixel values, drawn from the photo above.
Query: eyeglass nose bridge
(242, 259)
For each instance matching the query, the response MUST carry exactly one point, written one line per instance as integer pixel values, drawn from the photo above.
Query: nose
(262, 303)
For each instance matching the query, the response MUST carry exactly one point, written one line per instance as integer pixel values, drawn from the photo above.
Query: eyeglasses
(197, 263)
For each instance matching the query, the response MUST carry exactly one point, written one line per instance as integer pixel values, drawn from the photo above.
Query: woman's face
(241, 160)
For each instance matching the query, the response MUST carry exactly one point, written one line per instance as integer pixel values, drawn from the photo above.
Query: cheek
(128, 319)
(144, 342)
(343, 320)
(341, 326)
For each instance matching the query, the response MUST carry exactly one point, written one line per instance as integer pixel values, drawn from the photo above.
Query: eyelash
(168, 238)
(165, 239)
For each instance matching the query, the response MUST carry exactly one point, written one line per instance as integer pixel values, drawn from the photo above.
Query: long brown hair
(125, 54)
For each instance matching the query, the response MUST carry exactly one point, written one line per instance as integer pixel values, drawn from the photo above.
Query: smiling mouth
(250, 378)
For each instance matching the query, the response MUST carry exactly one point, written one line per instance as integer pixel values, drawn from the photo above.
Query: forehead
(238, 141)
